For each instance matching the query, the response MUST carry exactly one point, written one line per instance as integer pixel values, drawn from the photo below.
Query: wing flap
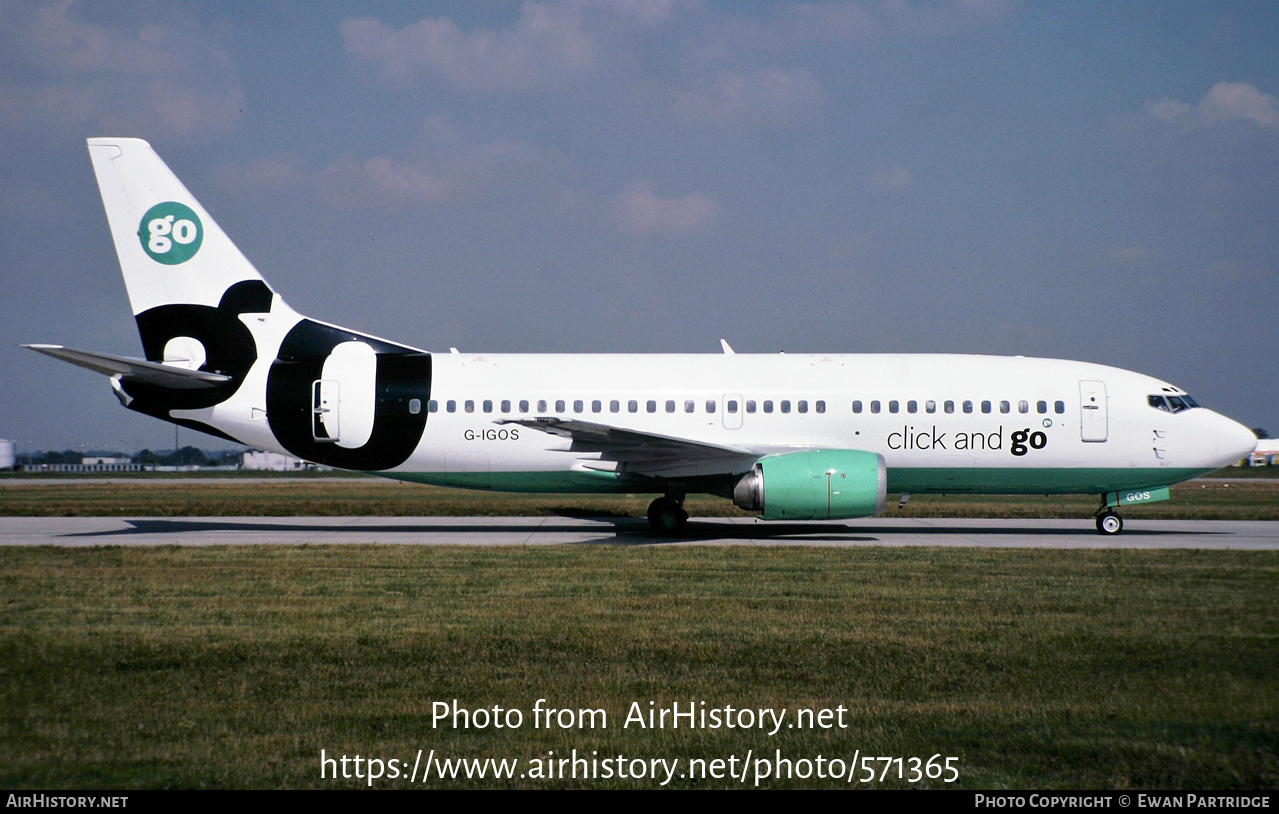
(643, 453)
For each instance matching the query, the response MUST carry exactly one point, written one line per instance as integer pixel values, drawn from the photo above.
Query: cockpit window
(1171, 404)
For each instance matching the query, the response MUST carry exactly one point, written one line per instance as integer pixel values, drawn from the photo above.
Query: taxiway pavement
(498, 531)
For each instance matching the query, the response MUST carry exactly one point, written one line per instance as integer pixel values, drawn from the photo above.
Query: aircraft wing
(642, 453)
(133, 370)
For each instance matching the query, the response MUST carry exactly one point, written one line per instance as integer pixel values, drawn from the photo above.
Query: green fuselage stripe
(911, 480)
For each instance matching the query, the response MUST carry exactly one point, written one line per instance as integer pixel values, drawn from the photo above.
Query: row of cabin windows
(930, 406)
(632, 406)
(733, 406)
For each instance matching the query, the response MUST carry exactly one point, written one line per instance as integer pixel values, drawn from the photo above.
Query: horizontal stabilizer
(134, 370)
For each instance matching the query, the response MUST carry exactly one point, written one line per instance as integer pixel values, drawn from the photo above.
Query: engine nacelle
(815, 484)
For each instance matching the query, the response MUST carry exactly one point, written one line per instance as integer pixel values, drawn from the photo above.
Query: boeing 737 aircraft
(790, 436)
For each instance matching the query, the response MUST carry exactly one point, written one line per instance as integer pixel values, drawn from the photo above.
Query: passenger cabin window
(1041, 407)
(803, 406)
(614, 406)
(892, 406)
(632, 406)
(710, 405)
(857, 406)
(1023, 406)
(670, 406)
(912, 406)
(469, 406)
(785, 406)
(559, 405)
(1059, 407)
(768, 406)
(506, 405)
(1005, 407)
(949, 407)
(750, 405)
(930, 406)
(731, 405)
(579, 406)
(432, 406)
(651, 406)
(968, 406)
(596, 406)
(821, 406)
(874, 406)
(689, 406)
(415, 406)
(985, 406)
(451, 406)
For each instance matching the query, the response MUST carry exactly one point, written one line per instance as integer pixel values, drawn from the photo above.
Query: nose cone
(1233, 440)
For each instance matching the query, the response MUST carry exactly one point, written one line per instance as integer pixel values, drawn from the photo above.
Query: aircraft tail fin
(223, 353)
(170, 249)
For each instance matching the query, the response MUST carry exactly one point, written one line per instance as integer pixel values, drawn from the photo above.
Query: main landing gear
(667, 516)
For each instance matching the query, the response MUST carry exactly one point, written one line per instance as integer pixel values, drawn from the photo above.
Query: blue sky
(1094, 181)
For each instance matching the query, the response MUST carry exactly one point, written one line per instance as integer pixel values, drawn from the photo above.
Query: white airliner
(791, 436)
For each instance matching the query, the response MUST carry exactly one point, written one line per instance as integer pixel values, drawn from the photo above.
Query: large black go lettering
(228, 345)
(402, 390)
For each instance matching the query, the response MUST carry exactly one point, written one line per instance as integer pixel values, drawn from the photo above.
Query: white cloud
(541, 49)
(1224, 102)
(1129, 254)
(551, 45)
(1169, 110)
(385, 181)
(260, 174)
(769, 97)
(878, 19)
(892, 180)
(1239, 100)
(158, 80)
(444, 166)
(643, 212)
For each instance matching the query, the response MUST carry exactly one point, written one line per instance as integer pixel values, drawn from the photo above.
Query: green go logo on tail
(171, 233)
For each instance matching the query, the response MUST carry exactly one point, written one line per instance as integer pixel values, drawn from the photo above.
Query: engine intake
(815, 484)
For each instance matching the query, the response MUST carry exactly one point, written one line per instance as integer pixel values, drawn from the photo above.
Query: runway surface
(506, 531)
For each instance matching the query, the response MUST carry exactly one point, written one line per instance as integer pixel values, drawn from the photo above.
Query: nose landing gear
(1108, 522)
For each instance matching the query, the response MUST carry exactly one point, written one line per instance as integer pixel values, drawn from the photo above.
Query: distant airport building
(8, 454)
(271, 462)
(89, 464)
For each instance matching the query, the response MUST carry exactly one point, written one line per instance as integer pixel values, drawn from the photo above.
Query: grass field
(235, 666)
(162, 497)
(232, 667)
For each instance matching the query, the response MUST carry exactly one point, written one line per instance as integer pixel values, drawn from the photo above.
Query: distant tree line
(186, 456)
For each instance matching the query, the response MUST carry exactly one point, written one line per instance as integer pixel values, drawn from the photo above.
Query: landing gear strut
(667, 516)
(1108, 522)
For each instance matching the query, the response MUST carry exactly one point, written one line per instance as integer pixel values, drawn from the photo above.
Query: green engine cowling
(815, 484)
